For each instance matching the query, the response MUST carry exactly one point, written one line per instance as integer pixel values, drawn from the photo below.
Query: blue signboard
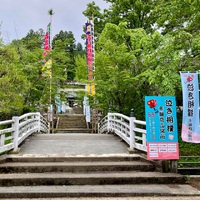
(161, 126)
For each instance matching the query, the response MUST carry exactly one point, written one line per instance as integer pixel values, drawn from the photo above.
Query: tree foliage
(135, 12)
(141, 50)
(64, 49)
(13, 83)
(141, 45)
(81, 68)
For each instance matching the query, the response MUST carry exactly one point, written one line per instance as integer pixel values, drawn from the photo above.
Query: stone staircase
(87, 176)
(71, 123)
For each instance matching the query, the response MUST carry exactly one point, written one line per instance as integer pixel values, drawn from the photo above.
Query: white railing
(132, 131)
(14, 131)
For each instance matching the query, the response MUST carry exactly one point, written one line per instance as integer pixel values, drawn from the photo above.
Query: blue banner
(190, 123)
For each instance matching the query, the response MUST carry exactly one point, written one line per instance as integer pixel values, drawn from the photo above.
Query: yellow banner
(90, 88)
(46, 68)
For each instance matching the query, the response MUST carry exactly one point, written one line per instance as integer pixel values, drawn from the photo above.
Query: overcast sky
(19, 16)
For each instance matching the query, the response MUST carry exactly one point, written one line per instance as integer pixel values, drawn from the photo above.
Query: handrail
(16, 130)
(189, 165)
(132, 131)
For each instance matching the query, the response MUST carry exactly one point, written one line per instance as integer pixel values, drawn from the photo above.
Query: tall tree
(66, 47)
(114, 63)
(176, 14)
(93, 13)
(135, 12)
(81, 68)
(33, 39)
(13, 82)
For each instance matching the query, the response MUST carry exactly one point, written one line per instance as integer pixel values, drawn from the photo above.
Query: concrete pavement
(123, 198)
(73, 144)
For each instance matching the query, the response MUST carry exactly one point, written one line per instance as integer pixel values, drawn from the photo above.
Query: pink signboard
(162, 151)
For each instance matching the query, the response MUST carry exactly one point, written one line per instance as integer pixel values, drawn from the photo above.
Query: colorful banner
(90, 54)
(47, 62)
(161, 128)
(191, 112)
(47, 41)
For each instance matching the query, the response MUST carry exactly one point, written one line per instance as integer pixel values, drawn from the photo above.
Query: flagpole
(50, 81)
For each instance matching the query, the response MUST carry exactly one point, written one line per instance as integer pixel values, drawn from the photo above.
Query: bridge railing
(14, 131)
(131, 130)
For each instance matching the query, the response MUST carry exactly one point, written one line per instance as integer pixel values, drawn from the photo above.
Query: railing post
(132, 133)
(16, 133)
(38, 119)
(108, 128)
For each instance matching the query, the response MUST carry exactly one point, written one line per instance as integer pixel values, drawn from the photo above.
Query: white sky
(19, 16)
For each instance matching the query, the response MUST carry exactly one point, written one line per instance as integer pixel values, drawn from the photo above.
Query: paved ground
(73, 144)
(124, 198)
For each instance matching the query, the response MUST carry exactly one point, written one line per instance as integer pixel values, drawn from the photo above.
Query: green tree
(79, 49)
(174, 15)
(114, 64)
(13, 82)
(66, 47)
(131, 64)
(93, 13)
(157, 57)
(135, 12)
(81, 68)
(33, 40)
(30, 58)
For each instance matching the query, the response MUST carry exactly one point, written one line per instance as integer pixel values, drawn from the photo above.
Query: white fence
(14, 131)
(132, 131)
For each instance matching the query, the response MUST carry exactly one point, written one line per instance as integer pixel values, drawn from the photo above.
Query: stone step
(70, 170)
(44, 167)
(104, 178)
(99, 191)
(72, 127)
(71, 116)
(72, 121)
(78, 110)
(72, 130)
(75, 159)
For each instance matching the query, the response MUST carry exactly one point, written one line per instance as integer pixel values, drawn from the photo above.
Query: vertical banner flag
(87, 113)
(85, 103)
(161, 127)
(47, 62)
(191, 113)
(90, 88)
(90, 56)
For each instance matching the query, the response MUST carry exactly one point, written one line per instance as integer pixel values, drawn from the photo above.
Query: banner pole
(50, 81)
